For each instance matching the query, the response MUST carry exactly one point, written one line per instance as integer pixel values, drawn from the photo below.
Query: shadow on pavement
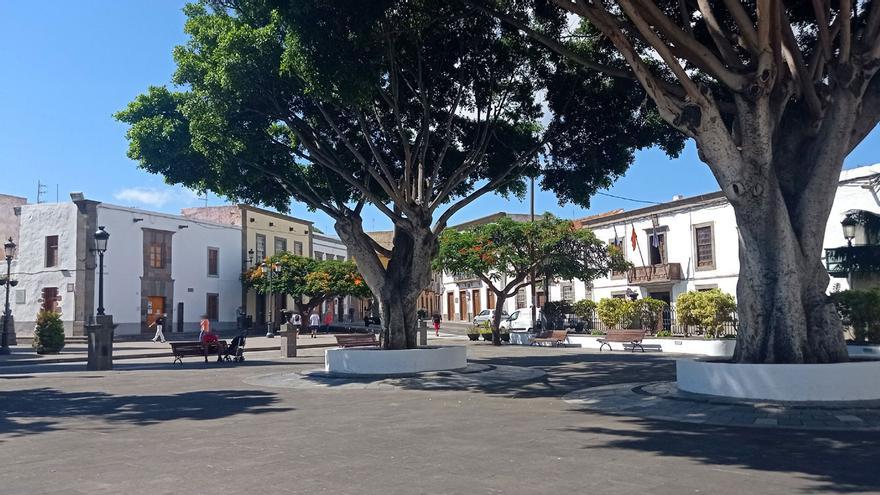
(40, 410)
(10, 372)
(840, 461)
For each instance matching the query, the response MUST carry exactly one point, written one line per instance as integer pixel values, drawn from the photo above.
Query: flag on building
(634, 239)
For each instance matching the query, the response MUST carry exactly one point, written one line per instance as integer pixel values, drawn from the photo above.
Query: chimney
(677, 197)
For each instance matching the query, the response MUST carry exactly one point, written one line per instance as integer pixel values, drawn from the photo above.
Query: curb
(77, 359)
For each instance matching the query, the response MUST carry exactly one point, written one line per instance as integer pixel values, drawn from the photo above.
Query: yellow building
(264, 233)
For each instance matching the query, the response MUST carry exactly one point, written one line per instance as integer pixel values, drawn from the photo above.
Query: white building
(331, 248)
(684, 245)
(155, 263)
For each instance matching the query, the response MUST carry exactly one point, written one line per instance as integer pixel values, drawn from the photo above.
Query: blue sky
(66, 67)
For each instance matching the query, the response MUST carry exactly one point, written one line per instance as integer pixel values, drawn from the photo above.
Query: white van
(521, 319)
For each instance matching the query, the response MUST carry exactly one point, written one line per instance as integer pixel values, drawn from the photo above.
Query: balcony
(665, 273)
(841, 261)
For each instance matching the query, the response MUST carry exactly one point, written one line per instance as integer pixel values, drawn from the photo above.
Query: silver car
(487, 315)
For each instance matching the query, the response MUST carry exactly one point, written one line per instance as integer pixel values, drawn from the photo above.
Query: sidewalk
(77, 352)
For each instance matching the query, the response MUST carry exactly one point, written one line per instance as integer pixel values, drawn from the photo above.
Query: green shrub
(860, 309)
(49, 333)
(615, 311)
(484, 327)
(584, 309)
(707, 310)
(664, 333)
(647, 313)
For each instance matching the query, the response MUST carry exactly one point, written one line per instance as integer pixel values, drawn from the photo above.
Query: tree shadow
(9, 370)
(839, 462)
(40, 410)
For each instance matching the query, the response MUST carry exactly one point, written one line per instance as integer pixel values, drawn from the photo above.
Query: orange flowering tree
(309, 282)
(502, 254)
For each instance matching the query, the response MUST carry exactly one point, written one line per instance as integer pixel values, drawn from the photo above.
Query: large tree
(415, 107)
(503, 254)
(308, 281)
(775, 94)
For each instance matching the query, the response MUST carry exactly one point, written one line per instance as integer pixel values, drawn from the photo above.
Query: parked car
(488, 315)
(521, 319)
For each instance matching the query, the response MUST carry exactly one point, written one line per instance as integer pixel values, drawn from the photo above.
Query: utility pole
(532, 255)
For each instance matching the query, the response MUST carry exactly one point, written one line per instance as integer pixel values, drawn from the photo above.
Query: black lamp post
(101, 238)
(250, 258)
(9, 249)
(849, 229)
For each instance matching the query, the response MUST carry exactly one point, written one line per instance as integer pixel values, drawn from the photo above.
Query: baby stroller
(235, 351)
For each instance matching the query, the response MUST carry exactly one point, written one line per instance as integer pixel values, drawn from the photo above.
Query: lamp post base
(8, 322)
(101, 344)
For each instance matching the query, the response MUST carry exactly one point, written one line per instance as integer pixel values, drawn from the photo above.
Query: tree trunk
(784, 314)
(397, 285)
(500, 297)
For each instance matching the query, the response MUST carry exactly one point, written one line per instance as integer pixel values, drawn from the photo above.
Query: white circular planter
(371, 361)
(783, 382)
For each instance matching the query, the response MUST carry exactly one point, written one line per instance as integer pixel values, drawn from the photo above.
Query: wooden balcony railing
(654, 274)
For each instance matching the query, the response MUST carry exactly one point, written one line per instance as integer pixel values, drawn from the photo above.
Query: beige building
(264, 233)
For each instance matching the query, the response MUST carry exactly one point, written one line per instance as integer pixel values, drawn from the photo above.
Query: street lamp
(101, 238)
(250, 258)
(270, 270)
(9, 249)
(849, 229)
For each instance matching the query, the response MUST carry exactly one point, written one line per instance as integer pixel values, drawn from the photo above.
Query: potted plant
(473, 332)
(485, 329)
(48, 333)
(505, 335)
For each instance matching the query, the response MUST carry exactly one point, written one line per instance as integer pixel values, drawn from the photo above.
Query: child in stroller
(235, 351)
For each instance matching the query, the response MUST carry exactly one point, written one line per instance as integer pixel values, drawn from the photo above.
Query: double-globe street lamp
(9, 250)
(101, 238)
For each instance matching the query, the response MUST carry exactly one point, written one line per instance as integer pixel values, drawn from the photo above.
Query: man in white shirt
(314, 322)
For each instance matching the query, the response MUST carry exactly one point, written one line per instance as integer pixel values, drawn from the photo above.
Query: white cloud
(145, 196)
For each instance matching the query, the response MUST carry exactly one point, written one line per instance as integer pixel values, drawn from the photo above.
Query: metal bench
(192, 349)
(357, 340)
(626, 336)
(554, 338)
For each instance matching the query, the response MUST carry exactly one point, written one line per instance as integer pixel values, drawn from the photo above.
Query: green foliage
(49, 333)
(484, 328)
(648, 312)
(664, 333)
(615, 311)
(861, 310)
(307, 279)
(584, 309)
(707, 310)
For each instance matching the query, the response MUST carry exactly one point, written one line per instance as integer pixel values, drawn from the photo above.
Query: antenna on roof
(41, 190)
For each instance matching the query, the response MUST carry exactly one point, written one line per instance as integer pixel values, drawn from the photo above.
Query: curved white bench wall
(370, 361)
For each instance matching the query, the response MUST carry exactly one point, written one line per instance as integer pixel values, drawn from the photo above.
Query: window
(213, 262)
(260, 249)
(157, 255)
(212, 307)
(657, 248)
(568, 293)
(340, 258)
(617, 243)
(50, 299)
(280, 245)
(319, 255)
(51, 250)
(521, 298)
(297, 248)
(705, 250)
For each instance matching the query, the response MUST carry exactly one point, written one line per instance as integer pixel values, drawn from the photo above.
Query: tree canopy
(310, 282)
(417, 108)
(504, 253)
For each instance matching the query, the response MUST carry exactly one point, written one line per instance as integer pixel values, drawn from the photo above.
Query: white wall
(123, 266)
(29, 267)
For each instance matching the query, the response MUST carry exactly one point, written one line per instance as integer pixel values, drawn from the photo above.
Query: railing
(668, 323)
(664, 272)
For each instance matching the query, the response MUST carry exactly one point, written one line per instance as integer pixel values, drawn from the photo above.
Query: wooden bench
(554, 338)
(626, 336)
(188, 349)
(357, 340)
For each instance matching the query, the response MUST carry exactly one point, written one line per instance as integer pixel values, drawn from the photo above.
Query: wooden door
(490, 299)
(462, 305)
(450, 306)
(155, 308)
(477, 303)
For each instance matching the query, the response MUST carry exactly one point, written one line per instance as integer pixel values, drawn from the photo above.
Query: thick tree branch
(744, 22)
(715, 31)
(821, 13)
(800, 73)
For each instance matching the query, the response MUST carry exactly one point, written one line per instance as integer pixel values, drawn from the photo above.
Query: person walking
(436, 325)
(314, 322)
(159, 323)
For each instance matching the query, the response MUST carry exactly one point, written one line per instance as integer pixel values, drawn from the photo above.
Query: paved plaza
(514, 421)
